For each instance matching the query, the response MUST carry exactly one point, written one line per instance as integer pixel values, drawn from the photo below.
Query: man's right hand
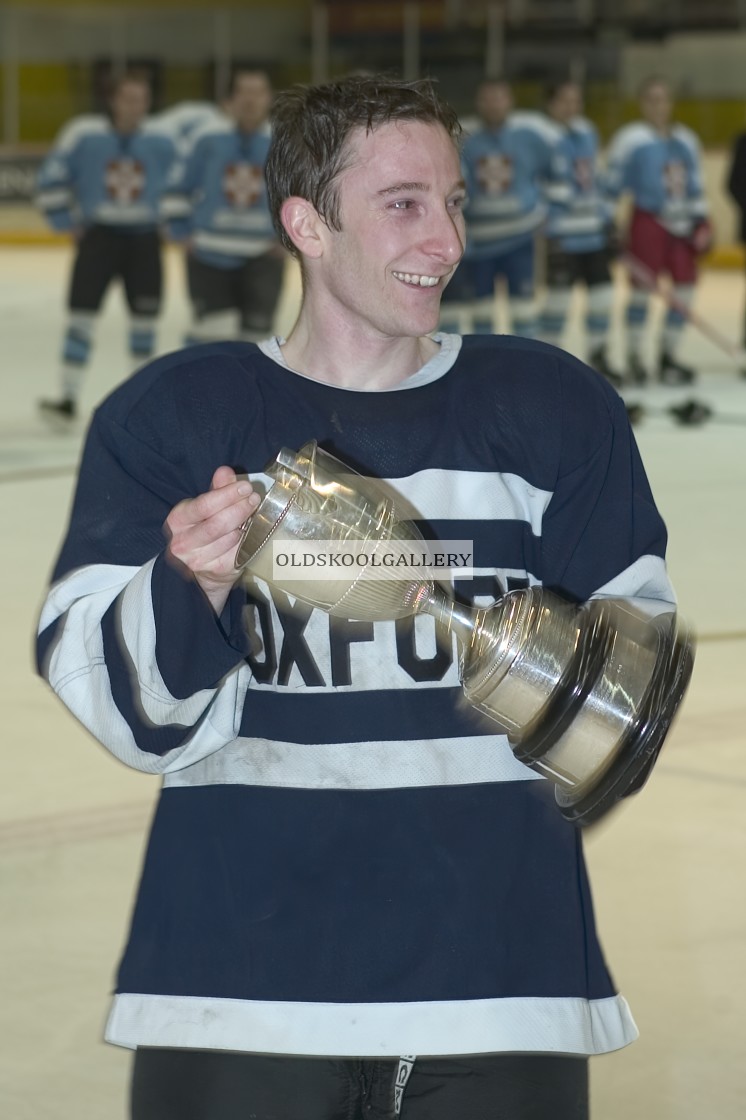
(205, 532)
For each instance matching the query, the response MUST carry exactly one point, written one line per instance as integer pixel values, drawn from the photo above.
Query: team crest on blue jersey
(125, 179)
(495, 173)
(584, 173)
(242, 184)
(674, 177)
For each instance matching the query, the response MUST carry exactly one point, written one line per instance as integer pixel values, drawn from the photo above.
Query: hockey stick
(646, 278)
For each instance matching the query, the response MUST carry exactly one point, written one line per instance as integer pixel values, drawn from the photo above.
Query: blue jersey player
(102, 182)
(507, 164)
(579, 230)
(657, 163)
(217, 204)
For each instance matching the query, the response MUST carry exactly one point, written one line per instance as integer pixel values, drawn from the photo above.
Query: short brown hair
(311, 126)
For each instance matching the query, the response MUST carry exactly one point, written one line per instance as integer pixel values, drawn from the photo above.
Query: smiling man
(355, 901)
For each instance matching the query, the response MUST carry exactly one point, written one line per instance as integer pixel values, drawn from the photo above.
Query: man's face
(130, 105)
(494, 103)
(250, 101)
(566, 104)
(401, 199)
(657, 105)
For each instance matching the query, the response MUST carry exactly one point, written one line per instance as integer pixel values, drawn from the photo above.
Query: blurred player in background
(580, 231)
(217, 203)
(103, 182)
(507, 164)
(658, 163)
(183, 120)
(736, 185)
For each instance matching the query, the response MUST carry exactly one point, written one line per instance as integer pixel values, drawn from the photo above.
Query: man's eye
(403, 204)
(458, 203)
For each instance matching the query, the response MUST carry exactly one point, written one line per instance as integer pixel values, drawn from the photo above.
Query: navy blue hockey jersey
(345, 859)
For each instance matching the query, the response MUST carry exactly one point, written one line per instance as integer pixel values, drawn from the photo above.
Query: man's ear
(303, 226)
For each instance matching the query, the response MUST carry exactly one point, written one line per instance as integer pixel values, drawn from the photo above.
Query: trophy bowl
(585, 693)
(315, 498)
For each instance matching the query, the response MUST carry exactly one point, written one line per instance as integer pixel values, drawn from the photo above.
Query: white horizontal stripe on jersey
(553, 1025)
(494, 206)
(436, 494)
(584, 223)
(558, 192)
(78, 673)
(645, 581)
(343, 766)
(175, 206)
(112, 214)
(92, 579)
(56, 199)
(230, 245)
(159, 707)
(498, 230)
(245, 220)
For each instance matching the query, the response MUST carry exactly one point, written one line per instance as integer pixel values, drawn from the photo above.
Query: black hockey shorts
(217, 1085)
(252, 290)
(564, 269)
(105, 254)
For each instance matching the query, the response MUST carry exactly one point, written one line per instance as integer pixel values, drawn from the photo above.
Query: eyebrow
(399, 187)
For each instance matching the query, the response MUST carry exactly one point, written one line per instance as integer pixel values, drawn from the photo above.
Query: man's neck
(349, 358)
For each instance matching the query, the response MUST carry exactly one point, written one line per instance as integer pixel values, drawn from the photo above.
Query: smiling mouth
(416, 281)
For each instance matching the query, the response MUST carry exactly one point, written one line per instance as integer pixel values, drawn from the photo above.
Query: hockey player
(217, 203)
(345, 869)
(506, 164)
(182, 121)
(103, 182)
(658, 163)
(736, 186)
(579, 231)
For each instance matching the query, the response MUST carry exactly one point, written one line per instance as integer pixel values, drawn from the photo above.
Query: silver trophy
(585, 693)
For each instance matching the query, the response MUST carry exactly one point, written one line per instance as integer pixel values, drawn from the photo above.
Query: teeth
(420, 281)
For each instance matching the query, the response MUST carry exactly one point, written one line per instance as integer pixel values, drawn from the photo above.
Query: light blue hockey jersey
(507, 171)
(662, 173)
(218, 197)
(580, 214)
(96, 175)
(185, 119)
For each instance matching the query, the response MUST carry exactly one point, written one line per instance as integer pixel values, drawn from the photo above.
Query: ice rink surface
(668, 869)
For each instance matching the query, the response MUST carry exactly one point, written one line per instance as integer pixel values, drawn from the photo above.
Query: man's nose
(446, 237)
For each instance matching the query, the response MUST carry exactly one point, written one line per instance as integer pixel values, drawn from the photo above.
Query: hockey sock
(141, 336)
(675, 320)
(76, 351)
(635, 319)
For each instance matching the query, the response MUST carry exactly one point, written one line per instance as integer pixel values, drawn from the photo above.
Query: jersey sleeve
(557, 182)
(618, 159)
(55, 194)
(699, 206)
(602, 535)
(178, 198)
(126, 637)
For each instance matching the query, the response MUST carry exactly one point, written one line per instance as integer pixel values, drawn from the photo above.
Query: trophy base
(639, 749)
(568, 696)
